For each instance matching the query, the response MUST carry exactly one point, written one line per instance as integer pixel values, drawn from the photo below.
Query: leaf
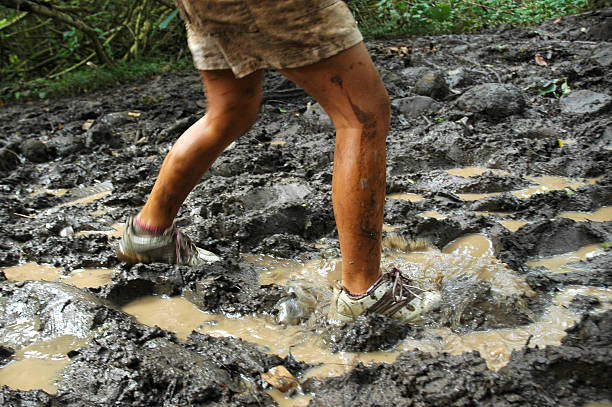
(550, 87)
(565, 87)
(569, 191)
(164, 24)
(606, 245)
(540, 60)
(560, 142)
(282, 110)
(441, 12)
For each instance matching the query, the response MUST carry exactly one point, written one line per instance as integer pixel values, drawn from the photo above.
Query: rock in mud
(5, 354)
(116, 119)
(9, 159)
(602, 31)
(412, 74)
(603, 54)
(433, 85)
(280, 378)
(585, 102)
(493, 99)
(35, 151)
(100, 134)
(66, 145)
(414, 106)
(315, 113)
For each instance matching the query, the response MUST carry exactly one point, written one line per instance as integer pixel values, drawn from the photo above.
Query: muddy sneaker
(392, 295)
(172, 247)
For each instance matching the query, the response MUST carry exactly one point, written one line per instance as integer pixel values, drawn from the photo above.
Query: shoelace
(183, 244)
(401, 283)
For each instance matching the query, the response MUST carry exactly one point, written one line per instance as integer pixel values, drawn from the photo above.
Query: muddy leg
(232, 108)
(350, 90)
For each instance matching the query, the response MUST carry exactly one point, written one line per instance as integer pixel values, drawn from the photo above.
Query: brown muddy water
(471, 255)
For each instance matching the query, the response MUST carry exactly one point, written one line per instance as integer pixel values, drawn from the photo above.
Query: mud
(490, 176)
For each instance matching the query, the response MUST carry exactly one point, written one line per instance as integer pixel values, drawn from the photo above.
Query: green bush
(392, 18)
(89, 79)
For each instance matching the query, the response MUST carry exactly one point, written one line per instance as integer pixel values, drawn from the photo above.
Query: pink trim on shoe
(153, 230)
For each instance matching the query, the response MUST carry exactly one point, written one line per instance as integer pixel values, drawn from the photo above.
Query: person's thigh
(228, 96)
(347, 86)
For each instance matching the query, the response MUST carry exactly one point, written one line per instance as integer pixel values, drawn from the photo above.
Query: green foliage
(44, 54)
(34, 45)
(556, 87)
(87, 79)
(387, 18)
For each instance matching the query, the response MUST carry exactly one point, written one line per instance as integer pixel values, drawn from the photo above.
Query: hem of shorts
(324, 52)
(321, 53)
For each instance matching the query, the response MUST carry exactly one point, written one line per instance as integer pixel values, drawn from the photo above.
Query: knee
(234, 118)
(371, 115)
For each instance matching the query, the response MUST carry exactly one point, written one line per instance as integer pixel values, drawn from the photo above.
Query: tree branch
(27, 5)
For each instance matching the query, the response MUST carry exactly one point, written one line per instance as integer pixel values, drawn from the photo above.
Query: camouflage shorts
(247, 35)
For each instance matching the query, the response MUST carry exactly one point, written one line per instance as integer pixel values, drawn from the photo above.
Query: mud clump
(368, 333)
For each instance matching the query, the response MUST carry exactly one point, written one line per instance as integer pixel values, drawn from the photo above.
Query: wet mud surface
(499, 193)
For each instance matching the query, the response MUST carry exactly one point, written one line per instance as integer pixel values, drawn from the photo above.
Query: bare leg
(350, 90)
(232, 108)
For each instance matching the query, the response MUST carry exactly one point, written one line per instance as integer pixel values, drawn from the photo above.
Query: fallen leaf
(60, 126)
(540, 60)
(280, 378)
(134, 114)
(88, 123)
(400, 51)
(557, 21)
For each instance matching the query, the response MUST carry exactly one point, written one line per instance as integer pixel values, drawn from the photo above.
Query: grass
(87, 79)
(404, 18)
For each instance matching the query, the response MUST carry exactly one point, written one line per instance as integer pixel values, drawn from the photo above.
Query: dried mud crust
(270, 193)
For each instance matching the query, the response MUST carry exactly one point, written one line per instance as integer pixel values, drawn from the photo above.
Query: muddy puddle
(544, 184)
(470, 257)
(81, 278)
(37, 366)
(600, 215)
(561, 263)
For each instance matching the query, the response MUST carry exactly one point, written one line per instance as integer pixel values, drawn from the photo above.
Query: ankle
(359, 290)
(142, 228)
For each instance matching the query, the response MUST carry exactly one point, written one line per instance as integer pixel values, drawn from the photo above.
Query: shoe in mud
(392, 295)
(172, 247)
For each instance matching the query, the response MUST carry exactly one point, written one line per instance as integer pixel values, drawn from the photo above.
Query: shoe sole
(129, 258)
